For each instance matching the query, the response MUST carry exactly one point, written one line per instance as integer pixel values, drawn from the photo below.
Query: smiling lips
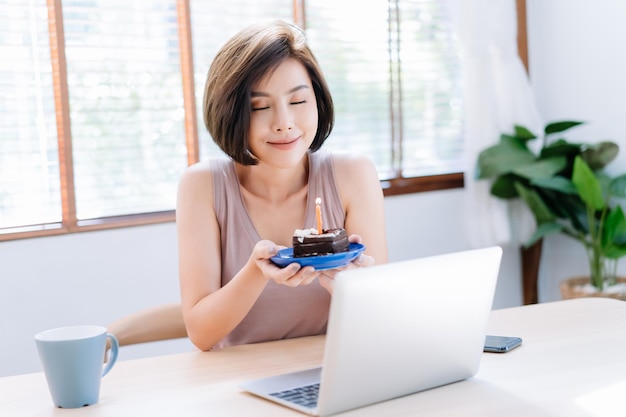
(284, 144)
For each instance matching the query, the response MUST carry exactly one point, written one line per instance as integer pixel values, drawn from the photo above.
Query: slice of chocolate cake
(308, 242)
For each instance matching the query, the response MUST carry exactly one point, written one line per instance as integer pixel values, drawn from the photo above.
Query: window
(103, 107)
(29, 160)
(396, 80)
(126, 105)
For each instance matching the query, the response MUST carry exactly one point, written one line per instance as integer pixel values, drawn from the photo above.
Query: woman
(267, 105)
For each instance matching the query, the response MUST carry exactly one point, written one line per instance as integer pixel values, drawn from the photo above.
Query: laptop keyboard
(305, 396)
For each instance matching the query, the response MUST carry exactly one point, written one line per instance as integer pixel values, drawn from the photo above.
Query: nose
(283, 119)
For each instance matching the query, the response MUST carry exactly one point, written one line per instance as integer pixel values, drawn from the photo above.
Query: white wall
(85, 278)
(577, 69)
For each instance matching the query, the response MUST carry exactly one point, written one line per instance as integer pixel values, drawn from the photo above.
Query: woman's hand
(327, 277)
(292, 275)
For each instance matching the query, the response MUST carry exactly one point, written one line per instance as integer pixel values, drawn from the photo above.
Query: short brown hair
(243, 61)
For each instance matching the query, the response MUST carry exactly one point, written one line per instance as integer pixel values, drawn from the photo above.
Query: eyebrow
(290, 91)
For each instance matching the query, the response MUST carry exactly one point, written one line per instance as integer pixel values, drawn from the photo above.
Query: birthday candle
(318, 215)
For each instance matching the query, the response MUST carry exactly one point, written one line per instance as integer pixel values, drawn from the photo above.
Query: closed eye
(267, 107)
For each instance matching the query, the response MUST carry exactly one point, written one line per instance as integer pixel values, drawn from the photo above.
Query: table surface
(572, 363)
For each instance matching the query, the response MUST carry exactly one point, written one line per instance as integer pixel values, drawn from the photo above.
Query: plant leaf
(587, 185)
(542, 231)
(504, 187)
(561, 147)
(560, 126)
(614, 231)
(599, 155)
(502, 158)
(514, 141)
(614, 236)
(617, 187)
(568, 207)
(523, 133)
(615, 251)
(556, 183)
(539, 209)
(541, 169)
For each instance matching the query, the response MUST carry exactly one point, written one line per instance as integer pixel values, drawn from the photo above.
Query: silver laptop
(395, 329)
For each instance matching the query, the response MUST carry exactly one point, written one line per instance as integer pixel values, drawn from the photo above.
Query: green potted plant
(566, 188)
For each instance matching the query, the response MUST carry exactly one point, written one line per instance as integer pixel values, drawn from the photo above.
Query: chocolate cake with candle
(308, 242)
(316, 242)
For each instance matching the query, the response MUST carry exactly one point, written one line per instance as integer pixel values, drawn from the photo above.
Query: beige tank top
(280, 312)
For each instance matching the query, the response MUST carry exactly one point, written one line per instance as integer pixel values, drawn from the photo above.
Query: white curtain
(498, 95)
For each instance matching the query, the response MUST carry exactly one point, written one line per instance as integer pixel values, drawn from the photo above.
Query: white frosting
(305, 232)
(302, 233)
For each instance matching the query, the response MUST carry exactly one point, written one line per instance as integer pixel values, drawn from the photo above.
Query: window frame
(70, 224)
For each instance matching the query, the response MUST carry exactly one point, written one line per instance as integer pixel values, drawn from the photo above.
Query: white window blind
(29, 163)
(354, 55)
(431, 100)
(395, 75)
(126, 105)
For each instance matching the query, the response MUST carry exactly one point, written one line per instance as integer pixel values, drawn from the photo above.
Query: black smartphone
(501, 344)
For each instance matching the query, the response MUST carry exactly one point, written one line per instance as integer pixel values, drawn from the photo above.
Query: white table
(572, 363)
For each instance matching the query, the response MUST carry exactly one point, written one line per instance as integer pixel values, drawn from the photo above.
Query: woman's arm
(362, 196)
(210, 311)
(209, 314)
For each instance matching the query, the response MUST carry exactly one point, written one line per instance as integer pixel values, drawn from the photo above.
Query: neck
(272, 183)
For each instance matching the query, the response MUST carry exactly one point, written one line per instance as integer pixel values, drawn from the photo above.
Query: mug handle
(112, 355)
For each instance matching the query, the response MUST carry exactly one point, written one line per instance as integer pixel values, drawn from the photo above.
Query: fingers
(354, 239)
(361, 261)
(264, 249)
(293, 275)
(364, 260)
(327, 277)
(309, 274)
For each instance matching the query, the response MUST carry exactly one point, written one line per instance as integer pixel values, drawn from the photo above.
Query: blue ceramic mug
(72, 359)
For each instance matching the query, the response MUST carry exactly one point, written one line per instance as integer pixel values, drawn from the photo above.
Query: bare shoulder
(354, 170)
(196, 182)
(344, 158)
(197, 172)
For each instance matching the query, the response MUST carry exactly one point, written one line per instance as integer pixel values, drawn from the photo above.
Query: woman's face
(284, 115)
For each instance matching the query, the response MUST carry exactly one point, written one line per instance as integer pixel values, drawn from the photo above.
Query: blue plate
(333, 260)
